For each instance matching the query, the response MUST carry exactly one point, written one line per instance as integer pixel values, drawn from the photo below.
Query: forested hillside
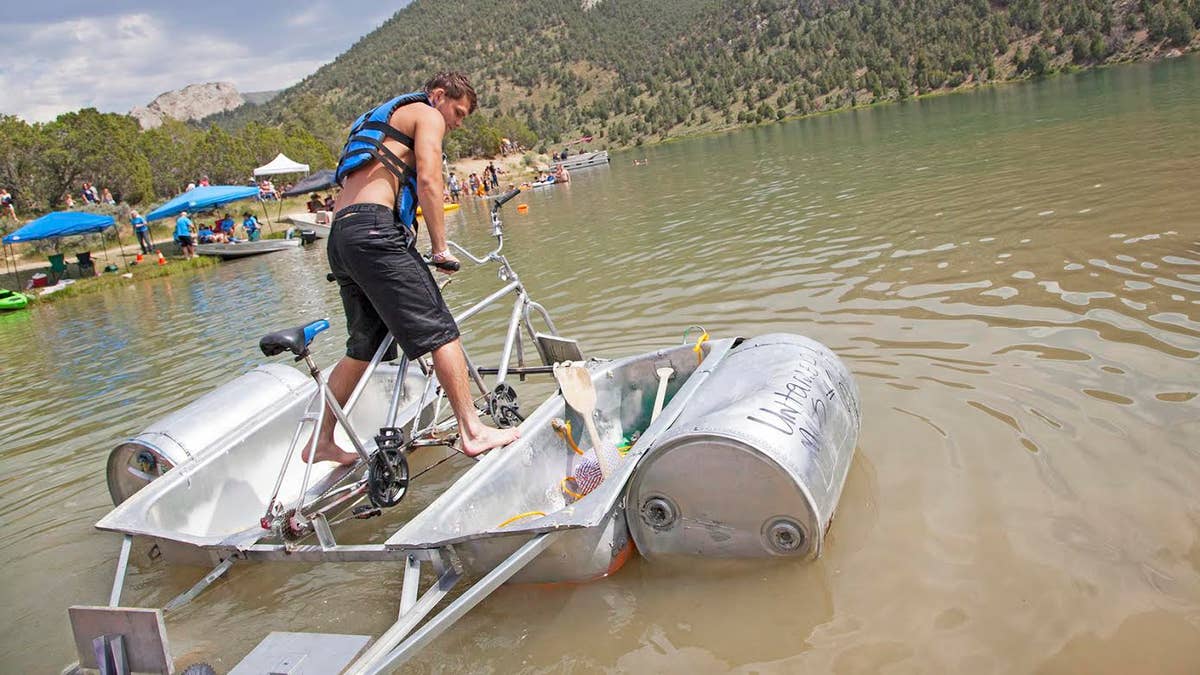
(624, 71)
(632, 71)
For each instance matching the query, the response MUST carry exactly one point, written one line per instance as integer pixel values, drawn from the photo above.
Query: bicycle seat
(294, 340)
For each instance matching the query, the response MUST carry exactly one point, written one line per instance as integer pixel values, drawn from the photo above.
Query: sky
(65, 55)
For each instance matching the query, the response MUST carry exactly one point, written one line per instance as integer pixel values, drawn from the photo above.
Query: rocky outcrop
(193, 102)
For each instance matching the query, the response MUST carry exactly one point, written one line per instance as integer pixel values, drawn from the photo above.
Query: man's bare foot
(328, 451)
(486, 438)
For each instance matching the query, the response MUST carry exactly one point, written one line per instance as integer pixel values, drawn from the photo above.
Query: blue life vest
(366, 144)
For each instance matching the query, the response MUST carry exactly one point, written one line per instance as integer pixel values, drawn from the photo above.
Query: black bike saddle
(294, 340)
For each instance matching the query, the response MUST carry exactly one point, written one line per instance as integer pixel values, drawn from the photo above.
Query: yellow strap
(565, 433)
(700, 352)
(527, 514)
(563, 484)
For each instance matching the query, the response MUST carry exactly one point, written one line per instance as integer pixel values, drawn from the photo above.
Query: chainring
(387, 477)
(504, 407)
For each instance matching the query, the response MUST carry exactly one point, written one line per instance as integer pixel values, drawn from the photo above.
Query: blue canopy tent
(207, 197)
(55, 225)
(203, 198)
(60, 224)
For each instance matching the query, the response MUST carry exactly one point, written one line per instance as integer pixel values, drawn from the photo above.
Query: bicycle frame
(435, 432)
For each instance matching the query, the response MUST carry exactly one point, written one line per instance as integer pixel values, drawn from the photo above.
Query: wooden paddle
(664, 373)
(578, 391)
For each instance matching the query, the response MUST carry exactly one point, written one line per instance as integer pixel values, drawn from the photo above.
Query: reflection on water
(1013, 276)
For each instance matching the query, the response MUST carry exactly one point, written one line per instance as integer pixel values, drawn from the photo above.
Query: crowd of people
(266, 190)
(90, 195)
(478, 184)
(317, 203)
(221, 231)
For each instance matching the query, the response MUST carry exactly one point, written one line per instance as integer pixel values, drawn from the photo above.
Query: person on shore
(225, 226)
(314, 203)
(6, 204)
(89, 194)
(329, 202)
(493, 179)
(142, 230)
(203, 181)
(107, 198)
(183, 235)
(250, 226)
(68, 201)
(384, 283)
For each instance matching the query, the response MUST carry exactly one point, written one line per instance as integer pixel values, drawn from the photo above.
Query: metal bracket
(324, 533)
(110, 655)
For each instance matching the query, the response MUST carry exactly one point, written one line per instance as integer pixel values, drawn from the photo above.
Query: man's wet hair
(456, 85)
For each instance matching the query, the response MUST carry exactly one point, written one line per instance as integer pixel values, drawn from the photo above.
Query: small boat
(445, 207)
(539, 183)
(243, 249)
(11, 300)
(313, 223)
(732, 449)
(584, 160)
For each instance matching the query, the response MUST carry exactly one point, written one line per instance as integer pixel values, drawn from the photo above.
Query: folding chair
(58, 266)
(85, 264)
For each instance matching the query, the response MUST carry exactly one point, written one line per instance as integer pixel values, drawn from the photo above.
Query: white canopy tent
(281, 164)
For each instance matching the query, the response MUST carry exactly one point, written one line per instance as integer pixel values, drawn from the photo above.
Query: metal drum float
(755, 465)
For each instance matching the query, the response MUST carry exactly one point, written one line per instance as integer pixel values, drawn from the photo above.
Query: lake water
(1013, 275)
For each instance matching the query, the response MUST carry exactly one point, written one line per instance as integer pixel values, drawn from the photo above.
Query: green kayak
(10, 300)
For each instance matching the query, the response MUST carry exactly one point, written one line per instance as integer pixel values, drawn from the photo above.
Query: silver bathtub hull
(524, 478)
(214, 498)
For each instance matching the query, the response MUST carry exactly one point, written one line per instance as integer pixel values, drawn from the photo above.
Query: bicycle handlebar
(504, 199)
(448, 265)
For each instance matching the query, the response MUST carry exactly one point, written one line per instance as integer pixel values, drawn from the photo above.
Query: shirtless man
(384, 283)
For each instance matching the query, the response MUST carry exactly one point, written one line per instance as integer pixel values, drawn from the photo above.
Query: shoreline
(1069, 68)
(145, 271)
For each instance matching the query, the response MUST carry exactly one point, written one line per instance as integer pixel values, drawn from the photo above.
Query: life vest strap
(387, 130)
(386, 157)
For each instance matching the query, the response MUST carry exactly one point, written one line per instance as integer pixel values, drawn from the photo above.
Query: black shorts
(184, 240)
(385, 285)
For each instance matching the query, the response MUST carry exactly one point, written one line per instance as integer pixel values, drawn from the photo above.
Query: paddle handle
(602, 457)
(664, 374)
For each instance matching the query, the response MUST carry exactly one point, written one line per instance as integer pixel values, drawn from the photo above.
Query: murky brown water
(1013, 276)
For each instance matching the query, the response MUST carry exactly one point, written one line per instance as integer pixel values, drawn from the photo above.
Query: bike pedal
(365, 511)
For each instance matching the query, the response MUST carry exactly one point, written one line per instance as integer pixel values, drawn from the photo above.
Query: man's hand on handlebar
(445, 262)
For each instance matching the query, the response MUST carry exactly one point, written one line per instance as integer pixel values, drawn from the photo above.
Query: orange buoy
(522, 208)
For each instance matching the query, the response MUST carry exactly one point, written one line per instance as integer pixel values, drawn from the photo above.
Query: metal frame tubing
(191, 593)
(377, 661)
(114, 599)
